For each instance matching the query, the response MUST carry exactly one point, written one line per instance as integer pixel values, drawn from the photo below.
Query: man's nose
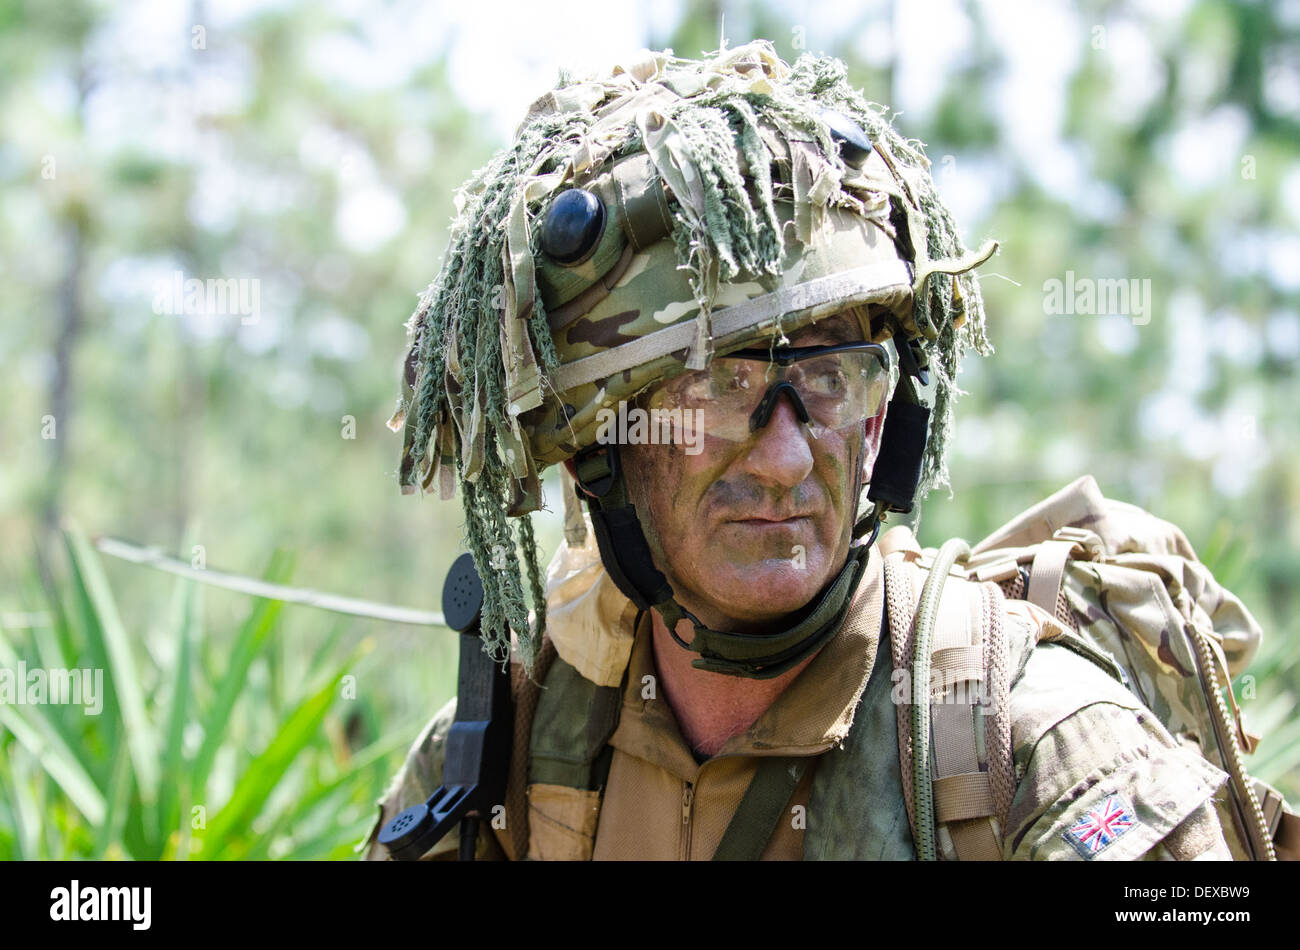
(779, 452)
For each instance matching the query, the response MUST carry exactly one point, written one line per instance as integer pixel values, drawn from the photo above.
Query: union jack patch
(1100, 826)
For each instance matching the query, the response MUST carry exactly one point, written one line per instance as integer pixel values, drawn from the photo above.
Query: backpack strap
(955, 734)
(770, 790)
(568, 760)
(527, 692)
(1046, 573)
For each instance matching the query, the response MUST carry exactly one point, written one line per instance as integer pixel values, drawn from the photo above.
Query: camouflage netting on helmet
(481, 326)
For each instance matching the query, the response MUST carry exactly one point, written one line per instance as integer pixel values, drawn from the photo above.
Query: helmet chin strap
(626, 553)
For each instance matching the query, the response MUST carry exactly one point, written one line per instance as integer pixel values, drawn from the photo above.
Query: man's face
(749, 532)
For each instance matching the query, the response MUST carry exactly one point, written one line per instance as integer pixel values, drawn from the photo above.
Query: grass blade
(110, 830)
(140, 739)
(259, 780)
(22, 805)
(251, 639)
(302, 809)
(45, 745)
(188, 610)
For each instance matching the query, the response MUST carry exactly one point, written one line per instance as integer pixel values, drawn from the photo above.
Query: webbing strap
(958, 797)
(952, 730)
(952, 720)
(899, 538)
(957, 664)
(947, 635)
(963, 796)
(1046, 573)
(927, 613)
(1271, 804)
(762, 806)
(974, 840)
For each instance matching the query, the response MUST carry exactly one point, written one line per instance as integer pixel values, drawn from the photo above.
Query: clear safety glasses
(830, 387)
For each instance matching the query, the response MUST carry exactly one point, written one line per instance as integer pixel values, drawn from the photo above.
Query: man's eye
(824, 380)
(830, 382)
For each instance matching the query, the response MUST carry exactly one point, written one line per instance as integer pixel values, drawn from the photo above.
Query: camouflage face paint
(772, 514)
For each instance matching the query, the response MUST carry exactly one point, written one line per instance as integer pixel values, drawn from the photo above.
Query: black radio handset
(478, 743)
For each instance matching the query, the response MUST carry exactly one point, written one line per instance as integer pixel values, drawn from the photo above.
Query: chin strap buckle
(897, 471)
(597, 469)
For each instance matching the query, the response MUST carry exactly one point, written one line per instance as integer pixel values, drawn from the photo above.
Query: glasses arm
(784, 356)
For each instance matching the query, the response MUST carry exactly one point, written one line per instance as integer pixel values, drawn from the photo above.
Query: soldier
(697, 285)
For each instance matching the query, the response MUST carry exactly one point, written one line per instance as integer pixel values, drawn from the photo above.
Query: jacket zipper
(688, 798)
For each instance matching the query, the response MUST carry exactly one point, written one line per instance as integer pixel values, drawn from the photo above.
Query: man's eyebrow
(824, 336)
(838, 328)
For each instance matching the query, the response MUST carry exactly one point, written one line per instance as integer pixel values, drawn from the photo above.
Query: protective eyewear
(830, 387)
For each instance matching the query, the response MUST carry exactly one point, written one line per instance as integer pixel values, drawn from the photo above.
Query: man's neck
(710, 707)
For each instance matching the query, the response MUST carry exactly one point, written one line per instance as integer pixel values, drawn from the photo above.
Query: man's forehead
(840, 328)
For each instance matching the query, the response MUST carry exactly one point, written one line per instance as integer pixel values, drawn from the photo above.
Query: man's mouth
(766, 521)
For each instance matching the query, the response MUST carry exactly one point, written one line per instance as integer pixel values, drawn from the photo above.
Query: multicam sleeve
(1098, 776)
(1198, 838)
(415, 781)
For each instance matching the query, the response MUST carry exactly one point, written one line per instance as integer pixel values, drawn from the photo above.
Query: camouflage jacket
(1087, 753)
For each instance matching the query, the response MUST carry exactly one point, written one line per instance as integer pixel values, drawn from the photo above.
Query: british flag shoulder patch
(1099, 827)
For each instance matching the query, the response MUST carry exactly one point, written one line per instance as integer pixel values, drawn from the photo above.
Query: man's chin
(764, 590)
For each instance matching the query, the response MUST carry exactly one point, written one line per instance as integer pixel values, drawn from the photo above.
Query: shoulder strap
(567, 762)
(527, 691)
(762, 806)
(949, 642)
(1046, 573)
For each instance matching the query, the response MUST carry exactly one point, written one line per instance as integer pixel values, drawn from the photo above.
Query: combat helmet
(641, 224)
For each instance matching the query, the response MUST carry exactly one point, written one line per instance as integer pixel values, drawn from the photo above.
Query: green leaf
(110, 830)
(326, 650)
(1278, 753)
(186, 613)
(84, 619)
(22, 806)
(302, 809)
(62, 757)
(264, 773)
(44, 743)
(335, 843)
(140, 739)
(62, 623)
(253, 635)
(55, 718)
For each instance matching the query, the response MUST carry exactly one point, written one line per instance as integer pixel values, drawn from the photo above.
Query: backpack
(1125, 589)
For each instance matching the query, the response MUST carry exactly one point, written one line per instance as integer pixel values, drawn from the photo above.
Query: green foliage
(184, 759)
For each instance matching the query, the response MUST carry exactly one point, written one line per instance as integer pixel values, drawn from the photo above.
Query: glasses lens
(838, 389)
(841, 388)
